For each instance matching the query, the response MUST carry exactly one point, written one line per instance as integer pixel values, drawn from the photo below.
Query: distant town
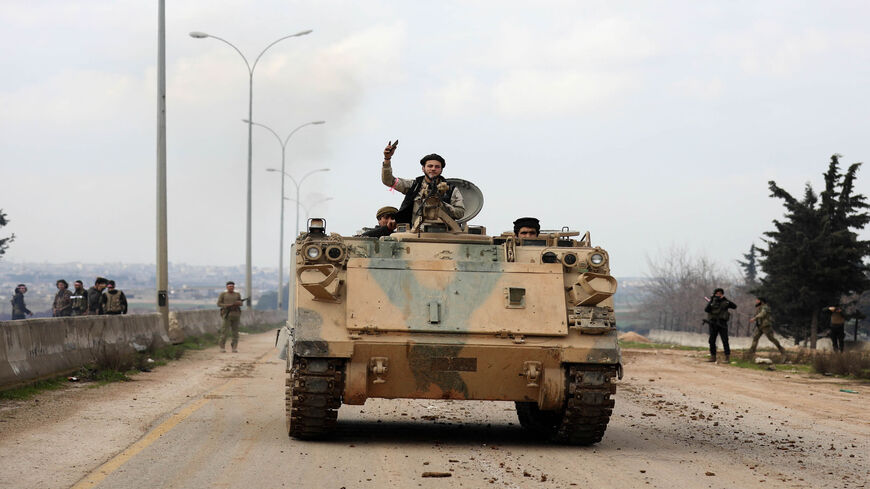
(191, 286)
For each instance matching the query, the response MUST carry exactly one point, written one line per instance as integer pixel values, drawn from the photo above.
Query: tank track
(313, 396)
(586, 412)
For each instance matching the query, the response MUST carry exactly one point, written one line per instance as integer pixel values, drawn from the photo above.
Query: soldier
(764, 325)
(19, 309)
(838, 327)
(62, 300)
(717, 317)
(386, 217)
(114, 301)
(95, 294)
(527, 227)
(230, 303)
(79, 299)
(418, 189)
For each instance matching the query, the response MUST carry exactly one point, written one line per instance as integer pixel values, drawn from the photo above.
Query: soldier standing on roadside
(718, 315)
(230, 303)
(95, 294)
(764, 325)
(62, 300)
(838, 328)
(114, 301)
(79, 299)
(19, 309)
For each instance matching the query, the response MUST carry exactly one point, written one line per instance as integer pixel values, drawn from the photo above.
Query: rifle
(225, 311)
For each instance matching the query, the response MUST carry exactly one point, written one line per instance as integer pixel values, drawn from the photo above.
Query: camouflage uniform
(764, 326)
(62, 303)
(232, 315)
(79, 300)
(717, 317)
(415, 193)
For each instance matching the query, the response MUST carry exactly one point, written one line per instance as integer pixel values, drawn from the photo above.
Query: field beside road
(217, 420)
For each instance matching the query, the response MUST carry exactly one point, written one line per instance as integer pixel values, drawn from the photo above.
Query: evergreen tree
(750, 266)
(814, 256)
(4, 242)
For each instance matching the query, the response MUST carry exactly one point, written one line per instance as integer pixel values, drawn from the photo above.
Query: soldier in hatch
(527, 227)
(386, 223)
(418, 189)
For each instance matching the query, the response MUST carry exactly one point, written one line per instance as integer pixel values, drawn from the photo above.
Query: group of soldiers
(718, 313)
(102, 298)
(416, 192)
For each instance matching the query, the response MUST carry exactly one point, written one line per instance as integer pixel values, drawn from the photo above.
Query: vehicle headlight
(312, 252)
(596, 259)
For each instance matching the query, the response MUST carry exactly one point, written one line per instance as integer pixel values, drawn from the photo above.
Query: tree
(4, 242)
(678, 283)
(814, 256)
(750, 266)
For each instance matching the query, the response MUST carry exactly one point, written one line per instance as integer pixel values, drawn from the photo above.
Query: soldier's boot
(727, 358)
(223, 348)
(712, 359)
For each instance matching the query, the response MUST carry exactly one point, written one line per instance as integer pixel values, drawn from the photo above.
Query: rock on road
(217, 420)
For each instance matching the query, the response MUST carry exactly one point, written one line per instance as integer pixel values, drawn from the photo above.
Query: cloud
(542, 93)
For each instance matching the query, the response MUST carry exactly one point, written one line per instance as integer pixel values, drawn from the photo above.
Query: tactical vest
(407, 208)
(719, 310)
(113, 303)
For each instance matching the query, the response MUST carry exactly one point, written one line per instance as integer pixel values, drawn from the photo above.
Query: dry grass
(851, 363)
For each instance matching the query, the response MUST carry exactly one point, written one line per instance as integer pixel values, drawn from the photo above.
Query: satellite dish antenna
(472, 197)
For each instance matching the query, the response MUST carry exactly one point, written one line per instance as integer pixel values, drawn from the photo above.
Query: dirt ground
(216, 420)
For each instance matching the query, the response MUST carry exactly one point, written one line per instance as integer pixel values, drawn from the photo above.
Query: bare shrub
(677, 285)
(854, 363)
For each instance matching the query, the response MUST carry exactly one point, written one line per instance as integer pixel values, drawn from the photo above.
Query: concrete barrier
(183, 324)
(684, 338)
(34, 349)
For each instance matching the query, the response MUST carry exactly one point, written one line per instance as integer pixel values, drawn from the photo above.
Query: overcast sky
(647, 123)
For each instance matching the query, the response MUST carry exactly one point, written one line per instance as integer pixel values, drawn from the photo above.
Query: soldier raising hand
(390, 150)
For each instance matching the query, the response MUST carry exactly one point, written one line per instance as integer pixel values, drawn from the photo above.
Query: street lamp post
(203, 35)
(283, 143)
(298, 184)
(306, 208)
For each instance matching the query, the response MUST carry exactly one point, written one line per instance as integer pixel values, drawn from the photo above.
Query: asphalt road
(217, 421)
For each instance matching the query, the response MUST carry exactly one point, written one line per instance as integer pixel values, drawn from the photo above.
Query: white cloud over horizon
(632, 120)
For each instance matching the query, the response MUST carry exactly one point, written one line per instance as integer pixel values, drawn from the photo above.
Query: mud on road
(216, 420)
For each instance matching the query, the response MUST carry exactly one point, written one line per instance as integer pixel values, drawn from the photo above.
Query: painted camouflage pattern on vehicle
(437, 311)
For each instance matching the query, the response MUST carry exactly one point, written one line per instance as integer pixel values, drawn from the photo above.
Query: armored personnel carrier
(441, 310)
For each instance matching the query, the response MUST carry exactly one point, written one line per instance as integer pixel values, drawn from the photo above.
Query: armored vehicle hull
(453, 315)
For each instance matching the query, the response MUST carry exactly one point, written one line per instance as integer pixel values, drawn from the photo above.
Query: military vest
(406, 210)
(113, 303)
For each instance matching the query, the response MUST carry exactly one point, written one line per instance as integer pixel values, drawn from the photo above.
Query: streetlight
(306, 208)
(283, 143)
(203, 35)
(298, 184)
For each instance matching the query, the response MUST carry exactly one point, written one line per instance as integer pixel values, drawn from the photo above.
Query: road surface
(213, 420)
